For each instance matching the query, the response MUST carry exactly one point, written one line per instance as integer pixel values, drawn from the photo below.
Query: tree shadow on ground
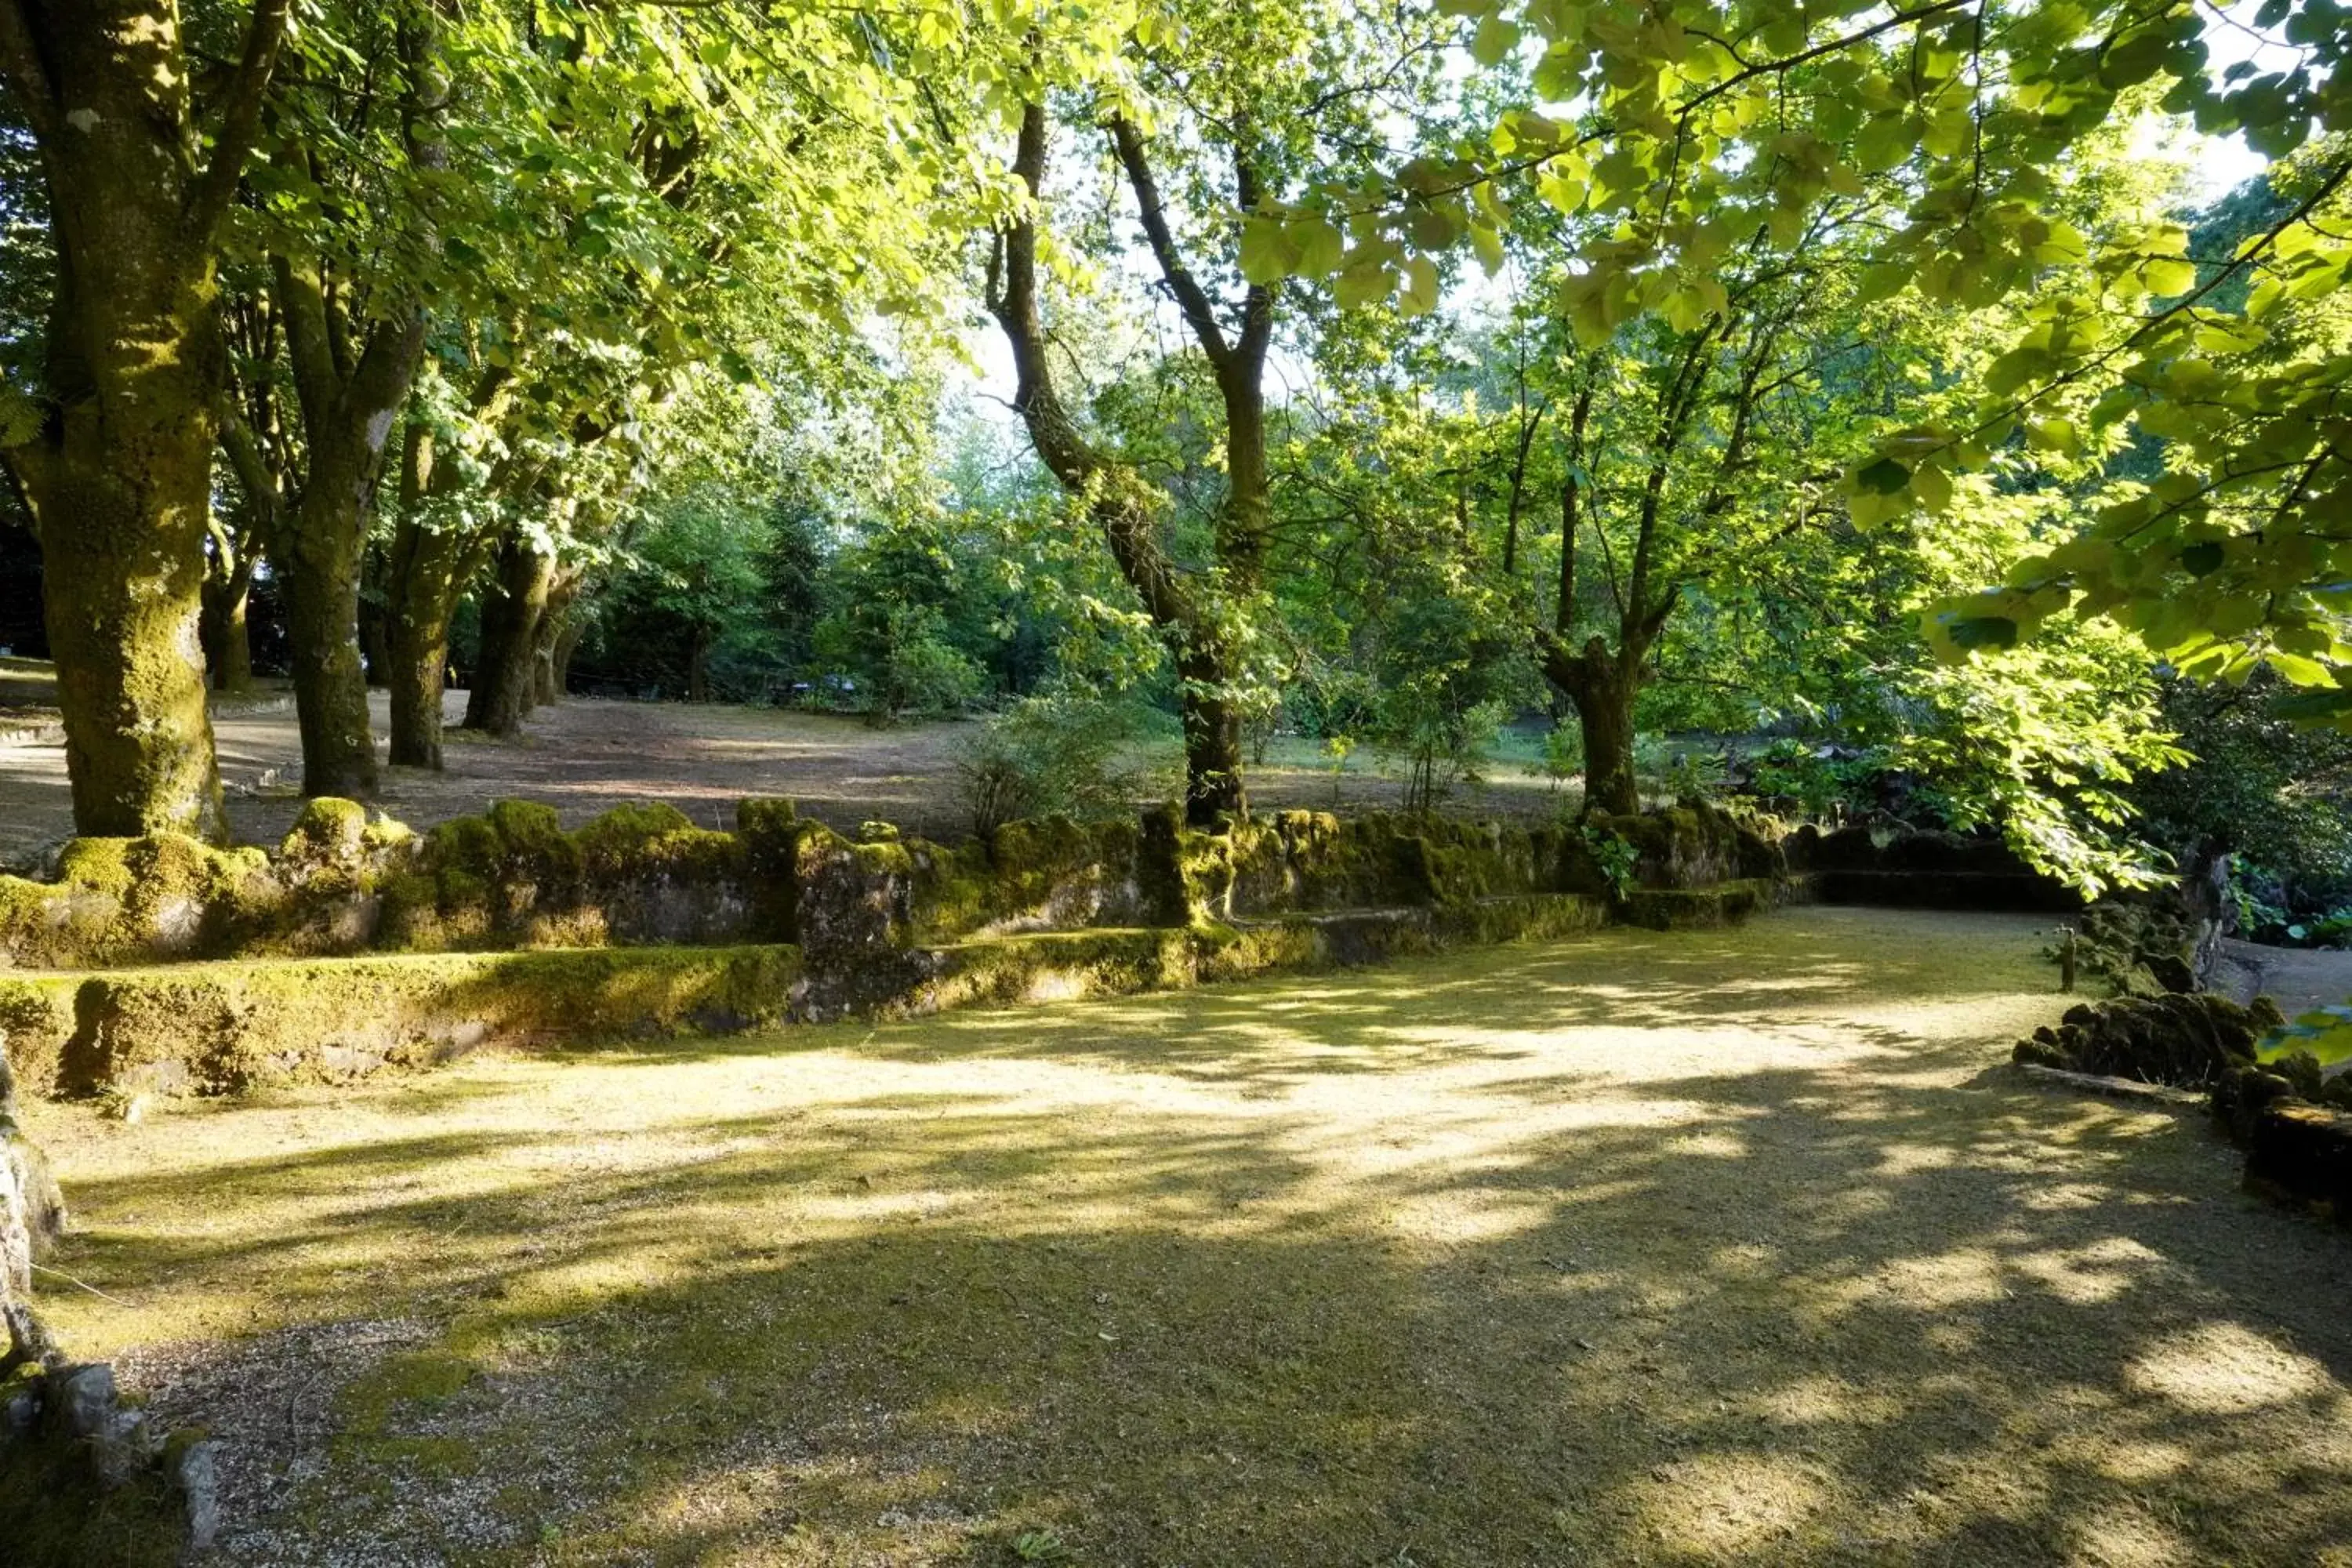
(1686, 1277)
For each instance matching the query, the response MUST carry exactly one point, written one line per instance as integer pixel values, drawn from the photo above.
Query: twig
(83, 1284)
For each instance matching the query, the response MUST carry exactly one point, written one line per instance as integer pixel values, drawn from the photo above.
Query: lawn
(1711, 1248)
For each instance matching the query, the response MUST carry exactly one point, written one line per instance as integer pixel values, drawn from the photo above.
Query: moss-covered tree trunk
(228, 642)
(1212, 723)
(115, 462)
(1603, 688)
(417, 636)
(348, 405)
(504, 688)
(1192, 615)
(318, 577)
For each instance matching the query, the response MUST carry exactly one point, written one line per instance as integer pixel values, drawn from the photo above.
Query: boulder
(2190, 1041)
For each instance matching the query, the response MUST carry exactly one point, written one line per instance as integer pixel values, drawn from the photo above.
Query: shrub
(1055, 753)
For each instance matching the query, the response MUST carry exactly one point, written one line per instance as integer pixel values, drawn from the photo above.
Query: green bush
(1056, 754)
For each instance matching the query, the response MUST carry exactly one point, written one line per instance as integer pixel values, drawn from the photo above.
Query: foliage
(1439, 680)
(1059, 752)
(1617, 857)
(2275, 793)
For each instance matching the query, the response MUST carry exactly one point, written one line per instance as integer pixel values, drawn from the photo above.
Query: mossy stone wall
(218, 1027)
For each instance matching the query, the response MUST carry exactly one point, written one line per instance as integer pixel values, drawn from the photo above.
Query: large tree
(1220, 119)
(142, 151)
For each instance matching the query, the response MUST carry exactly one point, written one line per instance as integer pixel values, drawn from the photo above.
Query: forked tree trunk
(1186, 617)
(1603, 687)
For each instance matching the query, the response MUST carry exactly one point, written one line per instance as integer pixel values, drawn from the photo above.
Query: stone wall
(163, 965)
(645, 876)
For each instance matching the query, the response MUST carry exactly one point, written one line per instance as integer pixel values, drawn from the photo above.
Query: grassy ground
(1719, 1247)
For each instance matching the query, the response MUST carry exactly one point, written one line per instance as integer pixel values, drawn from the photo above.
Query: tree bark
(350, 392)
(229, 646)
(1190, 619)
(118, 475)
(503, 675)
(1603, 688)
(348, 408)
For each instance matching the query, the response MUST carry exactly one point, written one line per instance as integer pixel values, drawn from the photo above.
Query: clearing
(584, 755)
(1708, 1248)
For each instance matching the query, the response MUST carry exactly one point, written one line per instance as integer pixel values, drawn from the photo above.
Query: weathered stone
(32, 1210)
(192, 1467)
(2303, 1153)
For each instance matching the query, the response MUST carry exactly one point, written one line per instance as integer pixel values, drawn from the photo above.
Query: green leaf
(1494, 41)
(2202, 560)
(1882, 477)
(1267, 255)
(1418, 295)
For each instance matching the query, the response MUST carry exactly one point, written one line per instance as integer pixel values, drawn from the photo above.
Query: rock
(20, 1410)
(82, 1408)
(32, 1210)
(195, 1474)
(2187, 1040)
(2303, 1153)
(2241, 1095)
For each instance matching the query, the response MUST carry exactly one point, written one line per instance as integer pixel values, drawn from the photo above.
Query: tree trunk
(117, 472)
(417, 636)
(318, 570)
(697, 665)
(375, 622)
(503, 681)
(229, 646)
(123, 575)
(1603, 687)
(542, 665)
(1605, 713)
(560, 655)
(1213, 743)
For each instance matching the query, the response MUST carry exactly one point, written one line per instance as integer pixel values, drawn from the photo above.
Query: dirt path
(1729, 1248)
(586, 755)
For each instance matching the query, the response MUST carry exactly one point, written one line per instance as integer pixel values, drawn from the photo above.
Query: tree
(111, 451)
(1236, 105)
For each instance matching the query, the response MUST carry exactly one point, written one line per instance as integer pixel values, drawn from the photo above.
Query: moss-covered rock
(2187, 1041)
(215, 1027)
(37, 1016)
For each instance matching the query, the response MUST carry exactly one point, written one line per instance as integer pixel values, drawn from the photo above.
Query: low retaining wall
(359, 944)
(645, 876)
(221, 1027)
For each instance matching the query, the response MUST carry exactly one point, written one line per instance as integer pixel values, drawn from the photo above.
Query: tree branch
(1190, 298)
(240, 120)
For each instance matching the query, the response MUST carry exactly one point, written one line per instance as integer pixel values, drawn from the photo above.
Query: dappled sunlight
(1256, 1273)
(2219, 1369)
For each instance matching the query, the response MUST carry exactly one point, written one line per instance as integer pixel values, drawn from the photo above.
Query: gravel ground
(586, 755)
(1722, 1247)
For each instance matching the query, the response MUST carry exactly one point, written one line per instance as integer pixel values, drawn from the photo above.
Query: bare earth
(584, 755)
(1739, 1247)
